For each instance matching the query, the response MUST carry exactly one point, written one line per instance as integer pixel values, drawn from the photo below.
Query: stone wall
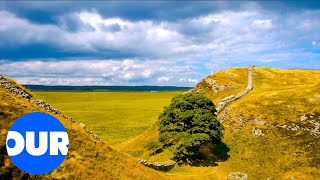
(158, 166)
(229, 99)
(28, 97)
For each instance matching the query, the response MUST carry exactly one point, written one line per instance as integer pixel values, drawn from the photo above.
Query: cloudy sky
(152, 43)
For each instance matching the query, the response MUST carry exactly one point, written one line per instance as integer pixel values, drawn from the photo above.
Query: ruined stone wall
(249, 88)
(28, 97)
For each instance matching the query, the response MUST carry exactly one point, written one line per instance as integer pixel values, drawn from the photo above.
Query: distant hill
(272, 132)
(105, 88)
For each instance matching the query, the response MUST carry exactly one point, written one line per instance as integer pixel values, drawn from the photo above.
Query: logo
(37, 143)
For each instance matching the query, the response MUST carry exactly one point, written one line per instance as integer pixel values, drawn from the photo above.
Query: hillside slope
(87, 158)
(272, 132)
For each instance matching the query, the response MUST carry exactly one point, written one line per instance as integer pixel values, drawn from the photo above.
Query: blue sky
(152, 43)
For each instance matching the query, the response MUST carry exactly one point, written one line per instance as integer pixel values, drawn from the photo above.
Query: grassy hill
(86, 158)
(272, 132)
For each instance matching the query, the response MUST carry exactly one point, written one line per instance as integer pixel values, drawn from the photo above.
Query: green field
(86, 159)
(114, 116)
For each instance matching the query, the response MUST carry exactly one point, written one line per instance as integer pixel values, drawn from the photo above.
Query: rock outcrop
(309, 123)
(217, 88)
(229, 99)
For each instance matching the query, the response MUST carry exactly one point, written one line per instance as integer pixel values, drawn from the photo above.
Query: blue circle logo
(37, 143)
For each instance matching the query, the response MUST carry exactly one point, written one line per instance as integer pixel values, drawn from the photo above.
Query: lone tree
(187, 123)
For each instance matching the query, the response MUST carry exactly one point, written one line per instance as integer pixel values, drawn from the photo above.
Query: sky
(152, 42)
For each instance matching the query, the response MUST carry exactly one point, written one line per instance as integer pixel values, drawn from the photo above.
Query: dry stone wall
(28, 97)
(249, 88)
(158, 166)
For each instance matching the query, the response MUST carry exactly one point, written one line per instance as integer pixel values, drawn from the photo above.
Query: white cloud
(228, 34)
(163, 79)
(108, 33)
(263, 23)
(147, 73)
(62, 81)
(95, 72)
(190, 80)
(314, 43)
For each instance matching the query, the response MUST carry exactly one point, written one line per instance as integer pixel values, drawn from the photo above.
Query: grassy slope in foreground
(114, 116)
(280, 97)
(86, 158)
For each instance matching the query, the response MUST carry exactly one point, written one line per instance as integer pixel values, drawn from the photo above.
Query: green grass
(86, 159)
(114, 116)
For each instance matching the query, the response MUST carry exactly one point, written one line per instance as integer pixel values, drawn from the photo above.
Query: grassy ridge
(280, 97)
(86, 158)
(114, 116)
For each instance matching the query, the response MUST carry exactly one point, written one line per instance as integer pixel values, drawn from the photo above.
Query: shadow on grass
(207, 155)
(211, 154)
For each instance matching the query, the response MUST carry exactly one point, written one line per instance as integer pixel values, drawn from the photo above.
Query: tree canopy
(187, 123)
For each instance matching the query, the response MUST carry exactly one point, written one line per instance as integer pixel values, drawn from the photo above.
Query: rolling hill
(272, 132)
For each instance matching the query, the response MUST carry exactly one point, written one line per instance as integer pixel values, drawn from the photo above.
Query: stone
(82, 125)
(257, 132)
(311, 100)
(237, 176)
(295, 128)
(210, 82)
(221, 88)
(303, 118)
